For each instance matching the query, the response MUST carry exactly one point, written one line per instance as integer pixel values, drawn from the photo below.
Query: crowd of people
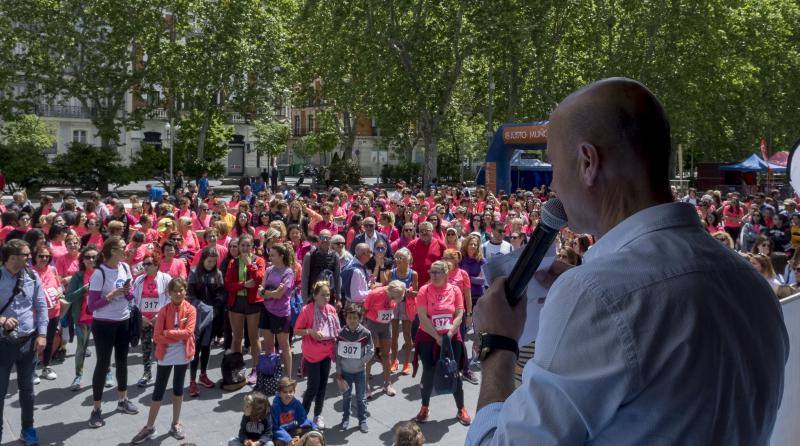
(359, 276)
(348, 272)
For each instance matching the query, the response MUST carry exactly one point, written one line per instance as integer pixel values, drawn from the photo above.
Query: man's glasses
(368, 225)
(324, 238)
(146, 264)
(43, 257)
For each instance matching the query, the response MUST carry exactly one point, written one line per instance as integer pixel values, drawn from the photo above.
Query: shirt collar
(647, 220)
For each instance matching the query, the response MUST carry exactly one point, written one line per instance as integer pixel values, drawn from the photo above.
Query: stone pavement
(61, 416)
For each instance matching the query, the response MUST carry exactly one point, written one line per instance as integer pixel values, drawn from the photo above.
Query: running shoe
(36, 379)
(205, 382)
(109, 380)
(345, 424)
(363, 426)
(422, 416)
(193, 390)
(76, 384)
(143, 381)
(96, 419)
(463, 417)
(470, 377)
(407, 369)
(145, 434)
(176, 431)
(49, 374)
(395, 366)
(126, 406)
(389, 390)
(28, 437)
(320, 422)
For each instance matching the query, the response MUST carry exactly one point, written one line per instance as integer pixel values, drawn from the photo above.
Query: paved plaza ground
(61, 415)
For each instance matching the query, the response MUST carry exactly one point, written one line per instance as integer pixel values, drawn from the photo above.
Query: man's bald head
(609, 144)
(624, 120)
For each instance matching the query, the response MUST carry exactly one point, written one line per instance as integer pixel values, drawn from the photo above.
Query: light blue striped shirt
(29, 308)
(663, 337)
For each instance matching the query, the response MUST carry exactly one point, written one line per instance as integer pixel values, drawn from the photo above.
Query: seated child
(313, 438)
(353, 351)
(408, 433)
(289, 418)
(256, 426)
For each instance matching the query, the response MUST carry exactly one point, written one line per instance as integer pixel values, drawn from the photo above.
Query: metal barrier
(787, 429)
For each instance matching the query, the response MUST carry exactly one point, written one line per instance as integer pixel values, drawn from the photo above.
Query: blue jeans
(360, 381)
(21, 355)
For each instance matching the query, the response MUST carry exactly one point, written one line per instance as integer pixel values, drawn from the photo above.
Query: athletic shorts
(275, 324)
(379, 331)
(400, 312)
(241, 306)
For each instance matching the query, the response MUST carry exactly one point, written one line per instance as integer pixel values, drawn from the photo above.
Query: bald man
(663, 336)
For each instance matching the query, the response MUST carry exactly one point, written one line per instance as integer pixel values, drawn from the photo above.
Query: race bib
(350, 350)
(442, 322)
(137, 269)
(385, 316)
(51, 296)
(149, 305)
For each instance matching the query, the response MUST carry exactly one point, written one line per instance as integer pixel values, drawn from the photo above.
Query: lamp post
(171, 139)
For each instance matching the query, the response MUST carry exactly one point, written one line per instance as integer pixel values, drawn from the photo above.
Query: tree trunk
(201, 141)
(431, 154)
(350, 137)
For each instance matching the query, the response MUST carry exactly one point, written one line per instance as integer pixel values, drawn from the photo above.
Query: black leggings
(108, 336)
(425, 350)
(162, 376)
(201, 355)
(52, 327)
(317, 373)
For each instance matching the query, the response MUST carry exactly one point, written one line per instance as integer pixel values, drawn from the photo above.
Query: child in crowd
(379, 306)
(173, 335)
(353, 351)
(289, 419)
(313, 438)
(256, 426)
(408, 433)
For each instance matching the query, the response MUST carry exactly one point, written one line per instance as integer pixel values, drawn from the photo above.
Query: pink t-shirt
(51, 285)
(176, 268)
(321, 226)
(67, 265)
(313, 350)
(441, 304)
(149, 303)
(378, 306)
(459, 278)
(57, 249)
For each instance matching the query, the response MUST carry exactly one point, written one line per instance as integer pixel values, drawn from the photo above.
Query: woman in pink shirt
(318, 324)
(67, 265)
(188, 236)
(171, 265)
(379, 307)
(93, 236)
(387, 226)
(53, 293)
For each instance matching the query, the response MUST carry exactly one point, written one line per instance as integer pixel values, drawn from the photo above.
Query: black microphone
(553, 218)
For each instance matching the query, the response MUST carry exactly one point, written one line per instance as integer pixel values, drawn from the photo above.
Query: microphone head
(553, 214)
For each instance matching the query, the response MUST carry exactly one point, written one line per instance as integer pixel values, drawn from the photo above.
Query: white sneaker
(48, 373)
(36, 379)
(319, 422)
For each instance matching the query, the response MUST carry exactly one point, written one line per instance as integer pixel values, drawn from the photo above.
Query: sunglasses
(89, 257)
(368, 225)
(42, 256)
(146, 264)
(324, 238)
(339, 244)
(380, 249)
(514, 237)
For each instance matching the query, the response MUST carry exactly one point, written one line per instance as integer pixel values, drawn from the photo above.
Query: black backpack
(233, 373)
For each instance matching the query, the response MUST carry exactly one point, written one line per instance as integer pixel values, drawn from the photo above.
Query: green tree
(226, 56)
(151, 162)
(217, 136)
(22, 153)
(96, 52)
(91, 167)
(270, 138)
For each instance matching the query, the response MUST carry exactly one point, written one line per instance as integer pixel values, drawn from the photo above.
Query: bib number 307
(350, 350)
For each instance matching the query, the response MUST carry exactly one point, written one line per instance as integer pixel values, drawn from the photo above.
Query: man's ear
(588, 163)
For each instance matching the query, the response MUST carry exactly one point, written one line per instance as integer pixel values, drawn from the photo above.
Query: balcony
(63, 111)
(158, 114)
(235, 117)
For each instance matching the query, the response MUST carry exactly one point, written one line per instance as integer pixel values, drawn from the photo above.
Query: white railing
(159, 113)
(235, 117)
(787, 429)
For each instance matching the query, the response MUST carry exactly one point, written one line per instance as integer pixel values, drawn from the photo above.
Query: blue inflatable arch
(508, 139)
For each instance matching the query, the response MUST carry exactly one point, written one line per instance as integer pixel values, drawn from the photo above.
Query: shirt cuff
(484, 424)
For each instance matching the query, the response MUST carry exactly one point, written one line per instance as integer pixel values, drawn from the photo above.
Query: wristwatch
(490, 343)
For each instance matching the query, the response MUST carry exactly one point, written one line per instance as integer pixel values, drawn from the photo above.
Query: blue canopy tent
(753, 164)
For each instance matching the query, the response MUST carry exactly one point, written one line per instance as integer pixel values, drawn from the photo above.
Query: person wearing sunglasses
(370, 236)
(149, 295)
(76, 297)
(54, 293)
(23, 328)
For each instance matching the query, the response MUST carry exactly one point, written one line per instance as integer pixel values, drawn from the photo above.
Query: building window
(296, 125)
(52, 150)
(311, 123)
(79, 136)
